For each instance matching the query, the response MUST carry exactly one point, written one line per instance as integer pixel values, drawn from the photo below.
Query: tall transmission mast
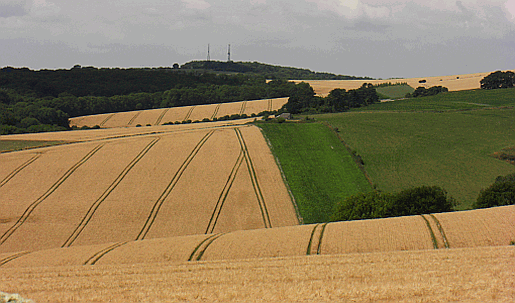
(229, 54)
(208, 57)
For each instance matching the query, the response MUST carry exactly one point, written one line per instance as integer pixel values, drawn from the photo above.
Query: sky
(380, 39)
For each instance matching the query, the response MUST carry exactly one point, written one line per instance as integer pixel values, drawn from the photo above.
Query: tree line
(304, 100)
(35, 101)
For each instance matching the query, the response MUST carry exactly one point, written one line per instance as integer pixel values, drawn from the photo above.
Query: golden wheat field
(146, 186)
(174, 114)
(453, 83)
(467, 275)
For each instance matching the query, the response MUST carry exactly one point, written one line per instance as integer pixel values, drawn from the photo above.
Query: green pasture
(395, 91)
(11, 145)
(450, 149)
(470, 99)
(318, 168)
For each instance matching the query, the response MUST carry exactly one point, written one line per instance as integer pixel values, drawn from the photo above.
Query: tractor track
(38, 201)
(157, 205)
(87, 218)
(18, 169)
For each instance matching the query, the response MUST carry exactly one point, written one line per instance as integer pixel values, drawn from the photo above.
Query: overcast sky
(392, 38)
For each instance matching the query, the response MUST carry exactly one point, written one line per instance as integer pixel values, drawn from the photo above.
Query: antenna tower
(208, 57)
(229, 54)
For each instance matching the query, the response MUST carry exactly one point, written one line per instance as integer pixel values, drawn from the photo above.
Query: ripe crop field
(450, 149)
(467, 229)
(319, 169)
(453, 83)
(165, 115)
(474, 274)
(147, 186)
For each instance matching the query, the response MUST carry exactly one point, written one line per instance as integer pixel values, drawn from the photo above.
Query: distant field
(8, 145)
(450, 149)
(178, 114)
(469, 99)
(395, 91)
(453, 83)
(319, 170)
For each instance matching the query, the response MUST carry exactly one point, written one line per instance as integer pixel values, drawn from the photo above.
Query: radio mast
(208, 57)
(229, 54)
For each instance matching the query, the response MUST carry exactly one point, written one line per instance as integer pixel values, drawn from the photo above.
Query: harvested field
(478, 274)
(453, 83)
(165, 115)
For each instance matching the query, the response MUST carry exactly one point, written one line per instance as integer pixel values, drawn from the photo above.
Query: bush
(412, 201)
(502, 192)
(421, 200)
(363, 206)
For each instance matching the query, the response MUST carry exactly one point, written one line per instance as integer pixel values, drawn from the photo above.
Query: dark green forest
(265, 70)
(35, 101)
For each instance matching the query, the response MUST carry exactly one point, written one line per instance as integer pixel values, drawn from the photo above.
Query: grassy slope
(450, 149)
(8, 145)
(395, 91)
(470, 99)
(318, 168)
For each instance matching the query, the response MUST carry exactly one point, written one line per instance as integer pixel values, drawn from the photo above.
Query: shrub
(280, 120)
(363, 206)
(206, 120)
(412, 201)
(421, 200)
(502, 192)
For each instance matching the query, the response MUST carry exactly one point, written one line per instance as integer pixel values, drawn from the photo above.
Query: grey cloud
(14, 8)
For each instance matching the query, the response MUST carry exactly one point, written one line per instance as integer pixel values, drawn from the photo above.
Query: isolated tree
(422, 200)
(498, 79)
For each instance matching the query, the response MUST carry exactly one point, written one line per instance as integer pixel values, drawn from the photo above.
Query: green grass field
(450, 149)
(395, 91)
(459, 100)
(319, 169)
(9, 145)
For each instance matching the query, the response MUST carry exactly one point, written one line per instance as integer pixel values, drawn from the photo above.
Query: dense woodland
(35, 101)
(266, 70)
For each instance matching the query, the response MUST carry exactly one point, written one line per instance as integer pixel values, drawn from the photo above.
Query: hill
(265, 70)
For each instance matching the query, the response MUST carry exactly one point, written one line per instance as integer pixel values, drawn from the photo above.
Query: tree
(363, 206)
(501, 192)
(421, 200)
(498, 79)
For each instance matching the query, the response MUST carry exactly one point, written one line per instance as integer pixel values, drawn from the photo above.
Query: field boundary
(93, 208)
(19, 168)
(283, 176)
(199, 251)
(442, 232)
(98, 255)
(433, 237)
(225, 192)
(38, 201)
(107, 119)
(188, 114)
(161, 116)
(134, 118)
(13, 257)
(157, 205)
(349, 149)
(253, 178)
(216, 111)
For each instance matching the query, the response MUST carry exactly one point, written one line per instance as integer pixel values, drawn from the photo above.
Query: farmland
(147, 181)
(178, 114)
(201, 211)
(319, 170)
